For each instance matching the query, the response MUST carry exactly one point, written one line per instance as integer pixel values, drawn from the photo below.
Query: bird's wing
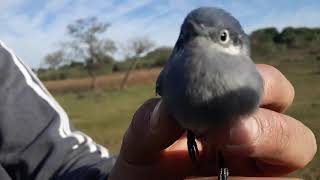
(161, 77)
(158, 83)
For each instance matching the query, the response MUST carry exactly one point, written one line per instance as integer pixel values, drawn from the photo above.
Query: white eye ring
(224, 36)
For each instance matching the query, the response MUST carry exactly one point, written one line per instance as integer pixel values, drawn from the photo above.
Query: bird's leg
(194, 155)
(192, 146)
(223, 170)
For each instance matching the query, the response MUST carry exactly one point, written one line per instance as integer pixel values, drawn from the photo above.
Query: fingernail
(244, 132)
(155, 116)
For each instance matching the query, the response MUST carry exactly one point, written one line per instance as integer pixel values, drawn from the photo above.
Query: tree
(53, 60)
(159, 56)
(263, 40)
(88, 45)
(134, 50)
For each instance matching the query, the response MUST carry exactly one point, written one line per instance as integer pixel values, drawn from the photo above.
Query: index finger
(278, 91)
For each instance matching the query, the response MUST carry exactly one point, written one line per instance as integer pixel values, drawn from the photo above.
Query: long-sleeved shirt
(36, 139)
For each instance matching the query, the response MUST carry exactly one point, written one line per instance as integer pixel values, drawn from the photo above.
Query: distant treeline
(290, 44)
(271, 40)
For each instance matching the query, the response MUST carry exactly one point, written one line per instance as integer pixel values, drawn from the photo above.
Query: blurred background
(100, 58)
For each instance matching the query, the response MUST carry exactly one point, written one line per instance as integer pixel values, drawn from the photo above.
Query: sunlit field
(104, 114)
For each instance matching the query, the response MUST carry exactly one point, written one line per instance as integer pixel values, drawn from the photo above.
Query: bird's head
(216, 27)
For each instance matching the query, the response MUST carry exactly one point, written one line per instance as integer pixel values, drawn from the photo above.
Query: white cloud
(9, 4)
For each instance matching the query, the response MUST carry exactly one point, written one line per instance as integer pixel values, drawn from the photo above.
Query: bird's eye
(224, 36)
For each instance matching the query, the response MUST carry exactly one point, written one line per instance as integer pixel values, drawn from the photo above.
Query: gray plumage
(210, 78)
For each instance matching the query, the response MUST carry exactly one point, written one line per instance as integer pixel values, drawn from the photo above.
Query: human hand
(267, 143)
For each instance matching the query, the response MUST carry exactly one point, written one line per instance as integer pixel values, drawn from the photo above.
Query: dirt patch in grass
(145, 76)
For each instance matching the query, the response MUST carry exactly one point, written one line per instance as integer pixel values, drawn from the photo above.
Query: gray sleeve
(3, 174)
(36, 141)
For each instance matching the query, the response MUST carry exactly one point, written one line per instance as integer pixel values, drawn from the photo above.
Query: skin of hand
(266, 144)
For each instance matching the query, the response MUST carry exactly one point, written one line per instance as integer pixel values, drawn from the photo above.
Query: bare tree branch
(88, 46)
(135, 49)
(53, 60)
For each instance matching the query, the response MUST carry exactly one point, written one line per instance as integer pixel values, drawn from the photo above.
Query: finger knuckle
(281, 133)
(275, 132)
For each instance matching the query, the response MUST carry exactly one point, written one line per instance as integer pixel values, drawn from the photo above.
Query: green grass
(306, 106)
(106, 115)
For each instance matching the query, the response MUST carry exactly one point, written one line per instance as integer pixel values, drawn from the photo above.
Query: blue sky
(34, 28)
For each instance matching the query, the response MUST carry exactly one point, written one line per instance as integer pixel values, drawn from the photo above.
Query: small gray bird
(210, 79)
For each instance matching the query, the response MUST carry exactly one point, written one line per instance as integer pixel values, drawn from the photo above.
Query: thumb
(152, 130)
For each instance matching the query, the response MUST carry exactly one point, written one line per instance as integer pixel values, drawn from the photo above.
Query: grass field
(105, 114)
